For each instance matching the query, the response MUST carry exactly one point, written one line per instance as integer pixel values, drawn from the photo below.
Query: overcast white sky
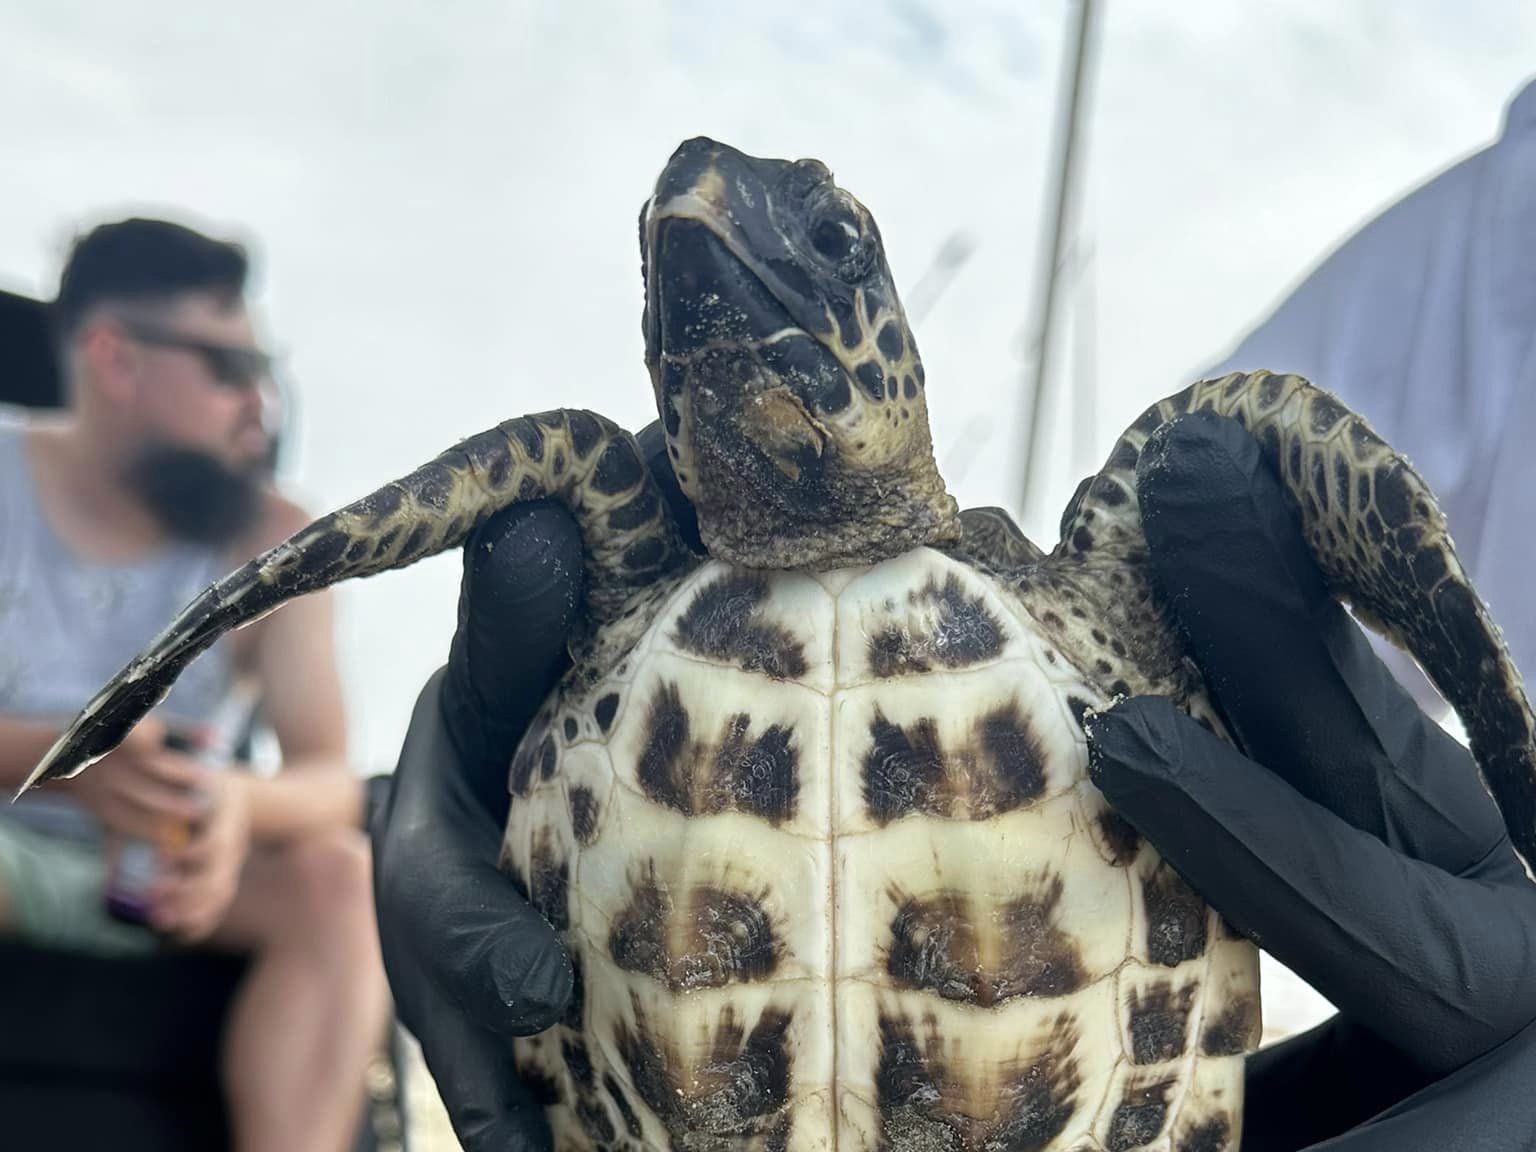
(444, 195)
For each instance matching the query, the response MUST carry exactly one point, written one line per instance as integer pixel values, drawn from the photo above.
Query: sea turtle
(812, 812)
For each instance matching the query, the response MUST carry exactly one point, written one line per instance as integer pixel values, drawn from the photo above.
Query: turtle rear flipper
(1380, 539)
(585, 462)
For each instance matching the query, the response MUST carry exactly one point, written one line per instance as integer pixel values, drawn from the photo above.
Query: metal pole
(1064, 174)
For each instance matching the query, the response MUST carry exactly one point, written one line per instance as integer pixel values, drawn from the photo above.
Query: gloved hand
(1375, 868)
(1356, 845)
(469, 961)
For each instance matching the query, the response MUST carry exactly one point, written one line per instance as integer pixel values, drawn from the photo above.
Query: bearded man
(155, 480)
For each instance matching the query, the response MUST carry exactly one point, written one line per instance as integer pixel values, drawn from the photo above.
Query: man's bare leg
(313, 1008)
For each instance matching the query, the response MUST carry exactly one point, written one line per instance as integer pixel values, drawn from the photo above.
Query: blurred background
(442, 199)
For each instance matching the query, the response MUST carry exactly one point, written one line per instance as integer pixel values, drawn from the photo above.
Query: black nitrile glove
(470, 962)
(1425, 964)
(1357, 845)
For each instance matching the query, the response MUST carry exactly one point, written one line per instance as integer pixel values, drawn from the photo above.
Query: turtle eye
(838, 236)
(834, 239)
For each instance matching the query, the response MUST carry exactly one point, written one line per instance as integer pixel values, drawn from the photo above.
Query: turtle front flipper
(1381, 541)
(585, 462)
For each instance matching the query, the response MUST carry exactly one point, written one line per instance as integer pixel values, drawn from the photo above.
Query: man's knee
(329, 881)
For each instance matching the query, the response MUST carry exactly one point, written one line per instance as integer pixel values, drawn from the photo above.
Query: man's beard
(194, 496)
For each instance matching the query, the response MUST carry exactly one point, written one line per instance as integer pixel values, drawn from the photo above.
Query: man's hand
(191, 898)
(140, 789)
(1351, 837)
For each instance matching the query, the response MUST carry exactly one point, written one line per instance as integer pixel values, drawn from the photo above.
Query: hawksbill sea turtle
(812, 812)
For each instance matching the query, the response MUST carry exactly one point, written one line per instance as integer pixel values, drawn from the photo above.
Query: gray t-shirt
(68, 624)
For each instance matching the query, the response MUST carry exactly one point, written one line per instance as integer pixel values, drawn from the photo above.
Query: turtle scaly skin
(812, 812)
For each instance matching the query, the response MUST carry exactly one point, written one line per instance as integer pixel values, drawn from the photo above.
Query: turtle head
(786, 377)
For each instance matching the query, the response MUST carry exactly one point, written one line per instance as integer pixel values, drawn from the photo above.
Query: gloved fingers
(489, 1105)
(447, 913)
(1294, 677)
(1319, 1083)
(518, 599)
(1441, 967)
(1486, 1105)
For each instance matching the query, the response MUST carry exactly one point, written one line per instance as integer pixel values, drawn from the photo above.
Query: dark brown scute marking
(543, 1087)
(642, 509)
(585, 433)
(903, 769)
(604, 710)
(906, 770)
(528, 488)
(1207, 1136)
(756, 775)
(529, 436)
(1082, 539)
(578, 1062)
(1107, 492)
(1159, 1022)
(1139, 1116)
(759, 776)
(1176, 918)
(575, 1017)
(618, 468)
(1233, 1031)
(1326, 412)
(935, 947)
(731, 940)
(1120, 836)
(383, 504)
(549, 881)
(570, 729)
(663, 766)
(871, 379)
(357, 550)
(740, 1090)
(584, 813)
(594, 1118)
(1017, 758)
(637, 939)
(848, 329)
(890, 341)
(549, 758)
(645, 553)
(966, 633)
(1042, 959)
(621, 1103)
(415, 539)
(909, 388)
(915, 1089)
(727, 937)
(722, 624)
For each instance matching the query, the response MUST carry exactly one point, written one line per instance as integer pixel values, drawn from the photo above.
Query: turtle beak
(778, 423)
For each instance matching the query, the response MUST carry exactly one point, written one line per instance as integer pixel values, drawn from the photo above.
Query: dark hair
(141, 260)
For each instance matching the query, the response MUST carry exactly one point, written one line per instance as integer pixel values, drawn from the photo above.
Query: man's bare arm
(293, 657)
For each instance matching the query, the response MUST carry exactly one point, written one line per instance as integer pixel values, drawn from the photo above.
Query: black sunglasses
(229, 364)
